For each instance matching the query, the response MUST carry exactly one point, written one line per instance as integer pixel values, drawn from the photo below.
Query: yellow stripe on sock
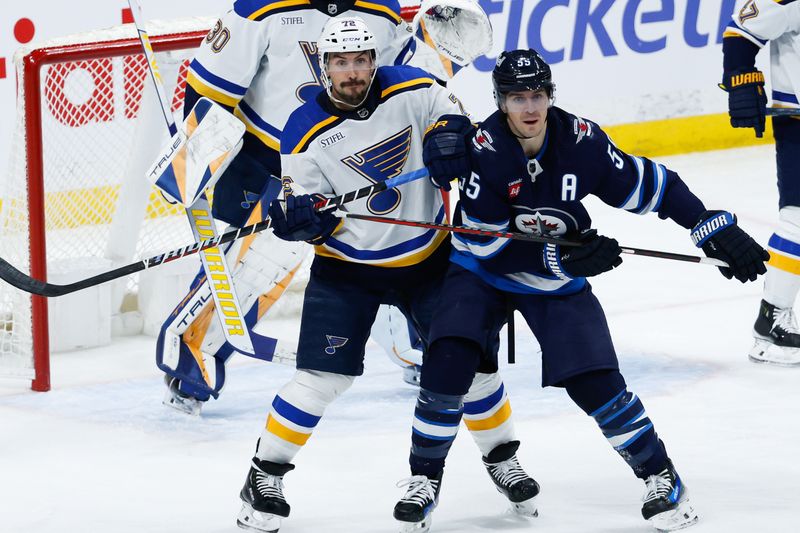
(282, 432)
(784, 262)
(493, 421)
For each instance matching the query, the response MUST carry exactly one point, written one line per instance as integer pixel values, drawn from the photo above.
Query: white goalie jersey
(261, 57)
(763, 21)
(329, 151)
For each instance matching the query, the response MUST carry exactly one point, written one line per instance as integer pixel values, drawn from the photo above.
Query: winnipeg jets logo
(545, 221)
(483, 140)
(334, 342)
(539, 226)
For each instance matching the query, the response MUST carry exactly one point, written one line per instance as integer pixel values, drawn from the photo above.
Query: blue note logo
(334, 342)
(380, 162)
(308, 91)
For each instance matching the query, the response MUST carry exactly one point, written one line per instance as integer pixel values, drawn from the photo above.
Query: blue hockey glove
(299, 221)
(721, 238)
(596, 255)
(445, 151)
(747, 101)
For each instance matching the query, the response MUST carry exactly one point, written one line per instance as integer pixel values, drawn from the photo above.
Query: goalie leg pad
(295, 412)
(192, 345)
(395, 334)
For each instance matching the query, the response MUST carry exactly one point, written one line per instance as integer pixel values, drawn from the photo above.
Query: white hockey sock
(487, 412)
(295, 412)
(782, 281)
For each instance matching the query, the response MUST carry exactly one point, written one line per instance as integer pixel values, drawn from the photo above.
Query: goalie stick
(535, 238)
(215, 265)
(22, 281)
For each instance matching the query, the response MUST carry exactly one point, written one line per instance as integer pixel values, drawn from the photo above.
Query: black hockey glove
(299, 221)
(596, 255)
(747, 101)
(445, 151)
(721, 238)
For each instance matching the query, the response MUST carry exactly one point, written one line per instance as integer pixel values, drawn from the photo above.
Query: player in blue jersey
(364, 128)
(754, 24)
(528, 168)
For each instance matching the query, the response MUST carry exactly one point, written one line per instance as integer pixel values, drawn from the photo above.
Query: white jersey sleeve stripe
(634, 199)
(660, 176)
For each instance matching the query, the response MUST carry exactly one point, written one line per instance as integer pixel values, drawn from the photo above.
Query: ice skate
(666, 501)
(411, 375)
(511, 480)
(264, 505)
(414, 510)
(179, 401)
(777, 336)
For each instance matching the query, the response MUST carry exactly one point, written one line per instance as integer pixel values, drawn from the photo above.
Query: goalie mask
(346, 35)
(518, 71)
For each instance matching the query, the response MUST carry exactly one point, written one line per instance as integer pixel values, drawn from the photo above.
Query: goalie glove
(720, 237)
(459, 29)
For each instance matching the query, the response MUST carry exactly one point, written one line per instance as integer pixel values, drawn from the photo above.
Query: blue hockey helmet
(521, 70)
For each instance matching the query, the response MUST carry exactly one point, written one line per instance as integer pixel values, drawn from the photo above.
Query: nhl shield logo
(333, 9)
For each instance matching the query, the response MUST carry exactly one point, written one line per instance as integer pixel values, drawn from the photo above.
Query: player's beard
(352, 92)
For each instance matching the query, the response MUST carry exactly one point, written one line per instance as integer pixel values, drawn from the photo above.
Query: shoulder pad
(388, 9)
(305, 124)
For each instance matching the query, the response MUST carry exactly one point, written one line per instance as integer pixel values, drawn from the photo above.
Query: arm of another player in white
(228, 58)
(767, 19)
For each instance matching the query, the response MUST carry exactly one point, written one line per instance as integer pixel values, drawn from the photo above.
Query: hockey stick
(214, 263)
(536, 238)
(782, 112)
(22, 281)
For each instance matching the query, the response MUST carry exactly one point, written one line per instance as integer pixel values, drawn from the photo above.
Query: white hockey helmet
(344, 34)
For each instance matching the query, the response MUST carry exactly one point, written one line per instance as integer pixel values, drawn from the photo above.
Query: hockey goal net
(74, 198)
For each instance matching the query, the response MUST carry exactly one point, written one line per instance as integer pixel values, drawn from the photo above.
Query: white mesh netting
(97, 134)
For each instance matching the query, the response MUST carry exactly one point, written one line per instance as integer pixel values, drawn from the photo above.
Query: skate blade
(423, 526)
(681, 517)
(765, 352)
(527, 508)
(191, 408)
(253, 520)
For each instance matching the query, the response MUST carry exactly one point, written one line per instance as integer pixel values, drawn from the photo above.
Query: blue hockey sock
(622, 418)
(436, 420)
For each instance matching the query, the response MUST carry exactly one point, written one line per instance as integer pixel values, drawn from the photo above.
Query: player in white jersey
(260, 62)
(366, 127)
(754, 24)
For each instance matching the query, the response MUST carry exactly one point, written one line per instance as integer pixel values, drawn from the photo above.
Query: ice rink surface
(100, 453)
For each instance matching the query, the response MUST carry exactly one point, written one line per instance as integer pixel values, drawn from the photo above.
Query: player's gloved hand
(445, 151)
(747, 101)
(596, 255)
(721, 238)
(297, 220)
